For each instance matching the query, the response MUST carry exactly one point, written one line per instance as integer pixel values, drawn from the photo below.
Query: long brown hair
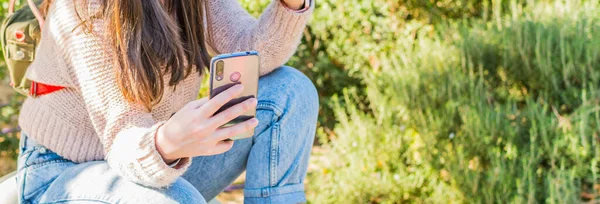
(151, 39)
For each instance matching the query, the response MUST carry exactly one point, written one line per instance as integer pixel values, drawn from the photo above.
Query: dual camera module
(234, 77)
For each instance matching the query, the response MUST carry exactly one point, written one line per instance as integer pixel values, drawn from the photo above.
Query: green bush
(346, 37)
(475, 111)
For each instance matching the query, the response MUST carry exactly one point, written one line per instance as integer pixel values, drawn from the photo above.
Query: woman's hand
(294, 4)
(194, 131)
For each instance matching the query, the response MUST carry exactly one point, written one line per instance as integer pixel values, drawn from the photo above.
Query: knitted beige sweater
(90, 119)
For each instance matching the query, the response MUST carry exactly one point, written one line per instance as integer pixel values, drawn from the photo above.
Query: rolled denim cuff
(283, 194)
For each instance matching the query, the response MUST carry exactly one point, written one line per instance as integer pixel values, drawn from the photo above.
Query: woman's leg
(276, 157)
(46, 177)
(96, 182)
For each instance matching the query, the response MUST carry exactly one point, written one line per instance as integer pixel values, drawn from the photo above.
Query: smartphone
(227, 70)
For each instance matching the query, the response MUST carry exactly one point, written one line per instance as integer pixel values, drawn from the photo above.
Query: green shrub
(379, 156)
(499, 111)
(346, 37)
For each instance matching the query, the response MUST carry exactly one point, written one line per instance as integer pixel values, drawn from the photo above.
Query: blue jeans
(275, 159)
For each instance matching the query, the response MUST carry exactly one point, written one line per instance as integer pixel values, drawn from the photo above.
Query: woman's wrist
(159, 143)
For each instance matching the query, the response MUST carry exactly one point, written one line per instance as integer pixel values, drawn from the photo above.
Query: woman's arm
(275, 35)
(127, 131)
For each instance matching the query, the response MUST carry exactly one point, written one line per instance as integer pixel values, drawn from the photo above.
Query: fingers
(213, 105)
(231, 113)
(197, 103)
(221, 147)
(228, 132)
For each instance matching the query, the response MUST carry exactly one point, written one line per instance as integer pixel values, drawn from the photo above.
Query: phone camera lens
(220, 70)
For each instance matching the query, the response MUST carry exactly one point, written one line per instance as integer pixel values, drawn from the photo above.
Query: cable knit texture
(91, 120)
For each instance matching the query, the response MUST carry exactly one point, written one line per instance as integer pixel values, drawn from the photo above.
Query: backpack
(20, 35)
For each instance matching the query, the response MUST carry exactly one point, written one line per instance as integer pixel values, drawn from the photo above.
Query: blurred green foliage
(9, 111)
(497, 109)
(347, 37)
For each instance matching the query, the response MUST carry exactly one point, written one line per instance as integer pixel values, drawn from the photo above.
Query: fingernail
(239, 87)
(253, 101)
(254, 121)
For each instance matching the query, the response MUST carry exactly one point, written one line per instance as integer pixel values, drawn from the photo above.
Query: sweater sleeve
(275, 35)
(126, 130)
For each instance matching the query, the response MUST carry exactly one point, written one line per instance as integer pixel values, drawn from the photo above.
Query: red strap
(38, 89)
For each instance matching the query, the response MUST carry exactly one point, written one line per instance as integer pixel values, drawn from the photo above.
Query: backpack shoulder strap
(34, 9)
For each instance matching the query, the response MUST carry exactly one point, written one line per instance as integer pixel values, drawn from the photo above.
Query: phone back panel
(242, 64)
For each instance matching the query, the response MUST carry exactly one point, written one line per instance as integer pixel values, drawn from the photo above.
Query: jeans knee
(308, 91)
(300, 90)
(96, 181)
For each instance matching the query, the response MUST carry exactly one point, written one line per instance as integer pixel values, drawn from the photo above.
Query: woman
(128, 128)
